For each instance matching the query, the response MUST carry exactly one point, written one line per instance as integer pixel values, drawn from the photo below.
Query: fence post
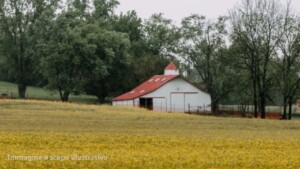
(189, 108)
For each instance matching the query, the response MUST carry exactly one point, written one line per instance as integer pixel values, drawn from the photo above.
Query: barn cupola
(171, 69)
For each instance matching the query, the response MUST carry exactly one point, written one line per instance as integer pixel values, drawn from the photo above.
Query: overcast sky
(178, 9)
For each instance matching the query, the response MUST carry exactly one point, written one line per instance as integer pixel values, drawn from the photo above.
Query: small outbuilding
(170, 92)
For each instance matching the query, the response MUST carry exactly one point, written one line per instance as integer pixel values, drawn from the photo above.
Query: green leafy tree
(160, 35)
(159, 41)
(130, 24)
(203, 46)
(112, 52)
(152, 46)
(18, 18)
(68, 55)
(79, 56)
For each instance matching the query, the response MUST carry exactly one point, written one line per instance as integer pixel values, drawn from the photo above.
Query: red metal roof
(171, 66)
(148, 86)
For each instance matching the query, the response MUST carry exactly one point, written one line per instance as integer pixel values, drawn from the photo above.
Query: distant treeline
(249, 56)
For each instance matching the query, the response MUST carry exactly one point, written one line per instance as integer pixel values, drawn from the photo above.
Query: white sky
(178, 9)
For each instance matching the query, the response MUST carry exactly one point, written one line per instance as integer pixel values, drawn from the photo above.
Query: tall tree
(112, 50)
(203, 46)
(80, 54)
(145, 59)
(67, 54)
(242, 94)
(258, 26)
(130, 24)
(159, 41)
(17, 18)
(288, 70)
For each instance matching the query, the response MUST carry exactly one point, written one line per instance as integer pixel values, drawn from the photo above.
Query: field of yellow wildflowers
(37, 134)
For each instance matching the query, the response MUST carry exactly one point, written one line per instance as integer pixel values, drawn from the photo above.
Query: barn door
(177, 102)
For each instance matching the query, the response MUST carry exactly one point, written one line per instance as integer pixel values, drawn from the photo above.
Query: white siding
(160, 104)
(136, 102)
(123, 103)
(177, 102)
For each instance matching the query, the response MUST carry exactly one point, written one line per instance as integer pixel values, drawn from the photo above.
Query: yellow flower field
(35, 134)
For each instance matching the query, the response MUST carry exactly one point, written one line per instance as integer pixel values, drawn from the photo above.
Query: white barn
(170, 92)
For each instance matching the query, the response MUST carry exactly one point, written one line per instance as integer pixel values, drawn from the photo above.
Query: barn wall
(171, 72)
(160, 104)
(137, 102)
(178, 95)
(123, 103)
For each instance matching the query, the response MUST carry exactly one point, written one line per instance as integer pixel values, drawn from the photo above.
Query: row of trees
(266, 34)
(250, 56)
(254, 56)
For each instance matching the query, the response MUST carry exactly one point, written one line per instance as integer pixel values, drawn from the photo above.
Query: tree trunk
(284, 108)
(60, 93)
(22, 90)
(262, 95)
(255, 103)
(243, 110)
(262, 105)
(290, 108)
(215, 107)
(65, 96)
(254, 83)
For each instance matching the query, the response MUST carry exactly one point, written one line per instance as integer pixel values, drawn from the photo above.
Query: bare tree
(287, 65)
(258, 27)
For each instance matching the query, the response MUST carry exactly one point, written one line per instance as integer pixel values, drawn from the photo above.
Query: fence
(247, 108)
(162, 106)
(204, 110)
(273, 112)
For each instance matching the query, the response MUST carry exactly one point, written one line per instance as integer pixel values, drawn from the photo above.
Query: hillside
(137, 138)
(11, 89)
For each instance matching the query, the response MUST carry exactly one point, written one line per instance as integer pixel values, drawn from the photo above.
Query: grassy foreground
(36, 134)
